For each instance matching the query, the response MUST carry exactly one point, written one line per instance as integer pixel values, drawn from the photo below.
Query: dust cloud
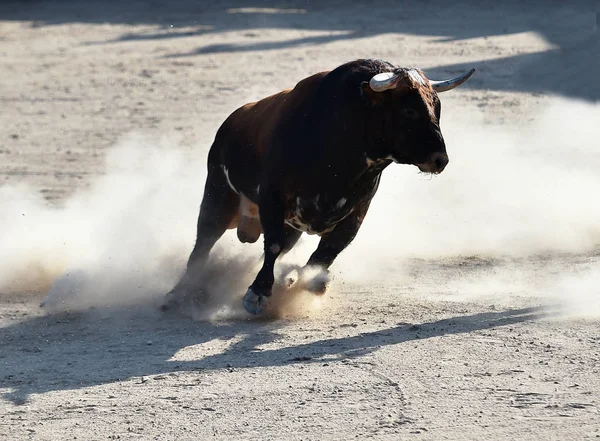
(510, 191)
(118, 240)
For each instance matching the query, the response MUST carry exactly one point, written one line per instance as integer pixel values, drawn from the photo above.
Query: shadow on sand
(66, 352)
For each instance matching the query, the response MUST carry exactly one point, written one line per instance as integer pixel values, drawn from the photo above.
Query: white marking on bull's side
(316, 201)
(257, 188)
(298, 210)
(226, 172)
(295, 220)
(275, 248)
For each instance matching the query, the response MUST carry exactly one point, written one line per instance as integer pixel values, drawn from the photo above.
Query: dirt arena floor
(467, 308)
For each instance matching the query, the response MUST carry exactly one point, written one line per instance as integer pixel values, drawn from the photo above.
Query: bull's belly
(319, 228)
(298, 216)
(318, 215)
(309, 218)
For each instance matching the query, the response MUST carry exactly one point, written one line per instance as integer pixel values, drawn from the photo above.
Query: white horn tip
(442, 86)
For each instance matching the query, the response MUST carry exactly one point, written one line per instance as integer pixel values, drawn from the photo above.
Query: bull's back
(244, 142)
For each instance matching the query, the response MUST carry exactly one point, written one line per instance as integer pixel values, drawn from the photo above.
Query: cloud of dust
(508, 191)
(565, 287)
(578, 295)
(117, 240)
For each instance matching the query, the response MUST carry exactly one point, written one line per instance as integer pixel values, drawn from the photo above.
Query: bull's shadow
(66, 352)
(571, 28)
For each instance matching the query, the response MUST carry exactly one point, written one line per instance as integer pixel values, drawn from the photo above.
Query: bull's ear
(372, 97)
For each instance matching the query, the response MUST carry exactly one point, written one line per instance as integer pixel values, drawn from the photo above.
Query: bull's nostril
(439, 161)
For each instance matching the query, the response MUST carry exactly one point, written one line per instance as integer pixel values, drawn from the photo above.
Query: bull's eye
(409, 113)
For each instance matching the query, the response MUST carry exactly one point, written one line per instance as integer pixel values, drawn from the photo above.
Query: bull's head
(410, 116)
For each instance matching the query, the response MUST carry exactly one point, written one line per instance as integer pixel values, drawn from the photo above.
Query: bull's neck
(351, 172)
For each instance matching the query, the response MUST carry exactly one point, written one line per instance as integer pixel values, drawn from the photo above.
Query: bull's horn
(383, 81)
(444, 85)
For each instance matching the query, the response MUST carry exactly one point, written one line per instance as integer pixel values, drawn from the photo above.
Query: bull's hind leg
(218, 212)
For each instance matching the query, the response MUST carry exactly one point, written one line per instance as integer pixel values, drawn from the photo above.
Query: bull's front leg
(272, 212)
(332, 244)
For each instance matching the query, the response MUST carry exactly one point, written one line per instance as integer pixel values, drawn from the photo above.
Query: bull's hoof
(291, 278)
(319, 282)
(169, 302)
(317, 286)
(255, 303)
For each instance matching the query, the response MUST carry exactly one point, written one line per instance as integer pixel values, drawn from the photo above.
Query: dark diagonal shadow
(64, 352)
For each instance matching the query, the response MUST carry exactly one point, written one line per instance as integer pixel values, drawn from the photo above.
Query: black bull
(309, 159)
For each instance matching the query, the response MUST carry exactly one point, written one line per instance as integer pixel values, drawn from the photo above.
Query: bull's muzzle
(436, 163)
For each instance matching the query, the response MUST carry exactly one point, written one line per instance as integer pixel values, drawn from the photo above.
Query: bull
(309, 160)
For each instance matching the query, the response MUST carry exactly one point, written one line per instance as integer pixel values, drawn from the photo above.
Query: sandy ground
(439, 327)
